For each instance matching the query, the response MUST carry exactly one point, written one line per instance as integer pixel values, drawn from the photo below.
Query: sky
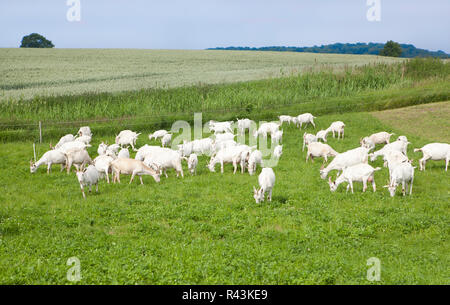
(200, 24)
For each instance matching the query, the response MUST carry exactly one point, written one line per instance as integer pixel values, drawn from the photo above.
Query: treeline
(408, 50)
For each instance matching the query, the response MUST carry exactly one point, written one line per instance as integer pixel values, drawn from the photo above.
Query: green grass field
(207, 229)
(25, 73)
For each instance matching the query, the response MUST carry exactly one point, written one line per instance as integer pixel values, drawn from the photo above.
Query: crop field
(25, 73)
(207, 229)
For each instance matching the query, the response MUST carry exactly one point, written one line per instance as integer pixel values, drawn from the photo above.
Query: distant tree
(35, 40)
(392, 49)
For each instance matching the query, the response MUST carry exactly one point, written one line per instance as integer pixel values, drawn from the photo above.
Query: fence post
(40, 132)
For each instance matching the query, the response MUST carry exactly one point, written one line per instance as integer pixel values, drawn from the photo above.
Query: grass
(207, 229)
(25, 73)
(426, 120)
(363, 88)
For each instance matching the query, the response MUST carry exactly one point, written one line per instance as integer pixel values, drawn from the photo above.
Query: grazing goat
(434, 151)
(266, 182)
(317, 149)
(132, 167)
(399, 145)
(285, 118)
(278, 151)
(166, 140)
(265, 128)
(360, 172)
(305, 118)
(227, 155)
(254, 159)
(78, 158)
(345, 159)
(337, 127)
(307, 139)
(192, 163)
(277, 136)
(49, 158)
(322, 135)
(404, 174)
(164, 159)
(88, 177)
(392, 158)
(158, 134)
(377, 138)
(127, 137)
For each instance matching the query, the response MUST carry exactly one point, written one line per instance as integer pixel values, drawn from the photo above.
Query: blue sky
(200, 24)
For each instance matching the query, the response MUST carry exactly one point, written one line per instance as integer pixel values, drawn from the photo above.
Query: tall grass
(368, 87)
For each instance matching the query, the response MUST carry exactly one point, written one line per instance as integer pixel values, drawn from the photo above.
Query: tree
(35, 40)
(392, 49)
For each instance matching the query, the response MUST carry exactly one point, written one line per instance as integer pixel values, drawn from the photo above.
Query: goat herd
(155, 160)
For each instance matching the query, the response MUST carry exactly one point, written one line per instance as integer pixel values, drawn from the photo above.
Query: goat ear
(322, 167)
(31, 162)
(386, 186)
(329, 180)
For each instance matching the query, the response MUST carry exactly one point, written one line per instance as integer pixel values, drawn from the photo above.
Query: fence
(51, 130)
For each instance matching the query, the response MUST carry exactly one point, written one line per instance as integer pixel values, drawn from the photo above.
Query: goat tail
(417, 149)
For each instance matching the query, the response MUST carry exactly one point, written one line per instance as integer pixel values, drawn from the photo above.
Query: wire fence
(35, 131)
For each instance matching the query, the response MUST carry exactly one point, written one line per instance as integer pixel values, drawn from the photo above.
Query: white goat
(85, 131)
(243, 124)
(404, 174)
(165, 159)
(399, 145)
(322, 135)
(65, 139)
(218, 127)
(265, 128)
(317, 149)
(392, 158)
(337, 127)
(123, 153)
(360, 172)
(307, 139)
(49, 158)
(158, 134)
(224, 136)
(226, 155)
(223, 144)
(379, 138)
(166, 140)
(77, 157)
(434, 151)
(266, 182)
(277, 136)
(192, 162)
(345, 159)
(285, 118)
(88, 177)
(127, 137)
(103, 164)
(133, 167)
(305, 118)
(278, 151)
(254, 159)
(84, 139)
